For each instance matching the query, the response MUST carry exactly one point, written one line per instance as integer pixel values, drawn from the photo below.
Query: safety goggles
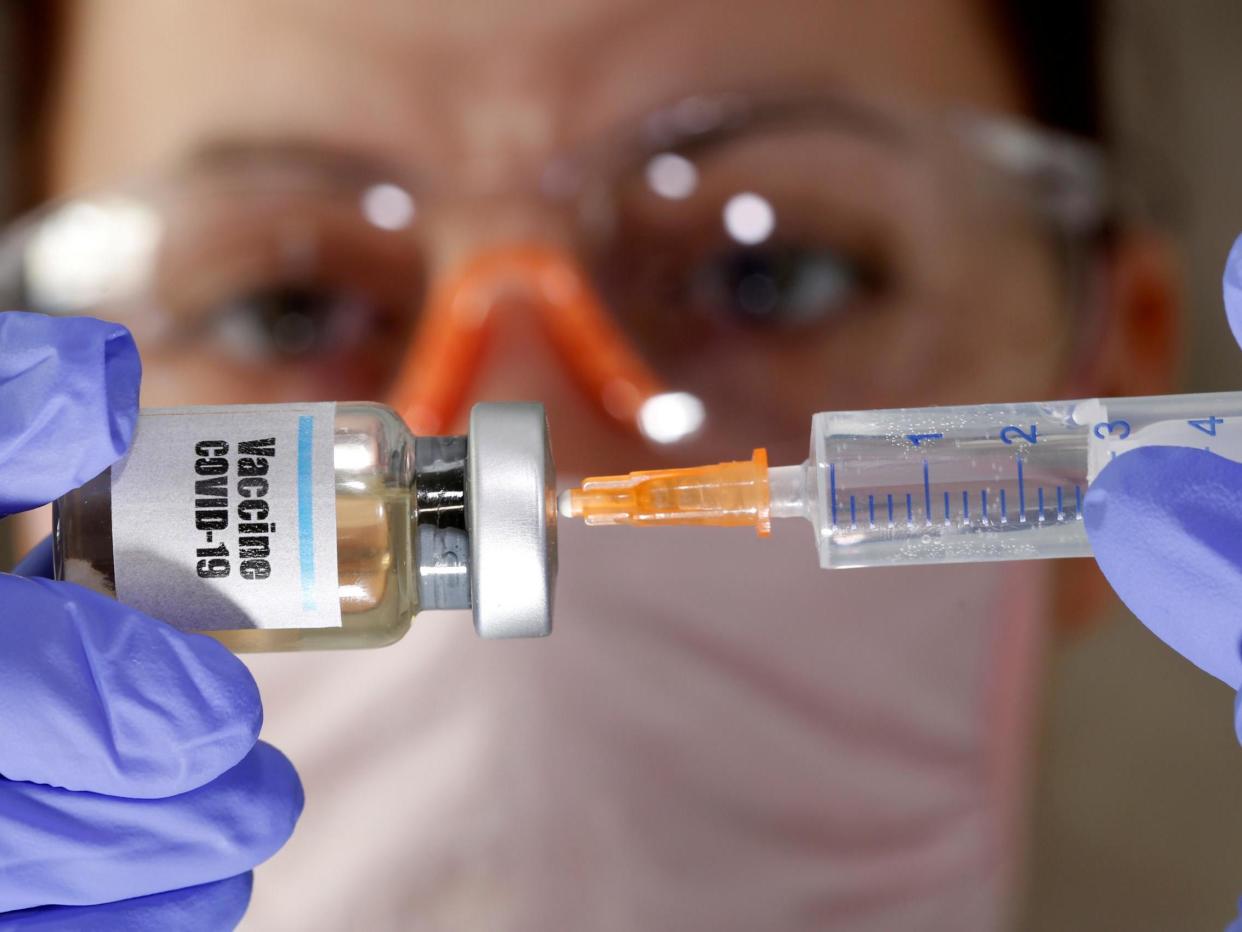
(722, 268)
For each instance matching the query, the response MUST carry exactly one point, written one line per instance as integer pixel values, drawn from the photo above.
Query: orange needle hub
(727, 494)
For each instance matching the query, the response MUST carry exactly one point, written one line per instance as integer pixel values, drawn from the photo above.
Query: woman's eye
(292, 320)
(779, 286)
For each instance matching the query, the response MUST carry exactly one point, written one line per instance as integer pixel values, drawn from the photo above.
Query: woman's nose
(527, 315)
(520, 364)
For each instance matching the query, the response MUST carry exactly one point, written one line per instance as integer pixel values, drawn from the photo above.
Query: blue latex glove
(1165, 524)
(131, 776)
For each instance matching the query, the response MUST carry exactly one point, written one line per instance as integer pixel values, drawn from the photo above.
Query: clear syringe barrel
(979, 482)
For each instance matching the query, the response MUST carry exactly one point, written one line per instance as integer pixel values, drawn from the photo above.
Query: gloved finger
(66, 848)
(208, 907)
(1232, 286)
(1165, 525)
(38, 562)
(97, 696)
(1236, 925)
(68, 403)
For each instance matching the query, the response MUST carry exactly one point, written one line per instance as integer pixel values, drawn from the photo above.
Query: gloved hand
(1165, 525)
(130, 775)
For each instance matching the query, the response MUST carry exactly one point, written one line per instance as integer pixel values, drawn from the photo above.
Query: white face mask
(719, 735)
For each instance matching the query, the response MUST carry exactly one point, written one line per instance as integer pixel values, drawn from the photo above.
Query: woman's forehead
(434, 81)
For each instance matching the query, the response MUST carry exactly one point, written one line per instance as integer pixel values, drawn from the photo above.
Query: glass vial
(293, 527)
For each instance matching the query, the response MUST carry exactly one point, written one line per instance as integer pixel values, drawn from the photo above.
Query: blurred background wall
(1138, 816)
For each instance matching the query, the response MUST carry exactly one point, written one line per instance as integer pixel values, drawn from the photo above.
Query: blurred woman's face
(890, 277)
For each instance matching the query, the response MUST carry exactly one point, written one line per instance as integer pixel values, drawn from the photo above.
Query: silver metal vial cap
(511, 519)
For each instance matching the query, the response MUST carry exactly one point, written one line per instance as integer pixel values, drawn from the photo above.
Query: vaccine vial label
(225, 517)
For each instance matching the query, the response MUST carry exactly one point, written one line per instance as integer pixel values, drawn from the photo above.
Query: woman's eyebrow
(292, 152)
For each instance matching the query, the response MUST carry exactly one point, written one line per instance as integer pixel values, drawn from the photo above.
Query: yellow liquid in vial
(375, 565)
(375, 578)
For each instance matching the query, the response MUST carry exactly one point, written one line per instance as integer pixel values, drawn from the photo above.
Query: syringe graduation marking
(1021, 494)
(928, 518)
(927, 492)
(832, 483)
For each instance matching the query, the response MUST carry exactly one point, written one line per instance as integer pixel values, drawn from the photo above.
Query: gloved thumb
(68, 404)
(1165, 525)
(1236, 925)
(1232, 286)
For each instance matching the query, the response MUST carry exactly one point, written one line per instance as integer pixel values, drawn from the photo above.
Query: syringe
(927, 485)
